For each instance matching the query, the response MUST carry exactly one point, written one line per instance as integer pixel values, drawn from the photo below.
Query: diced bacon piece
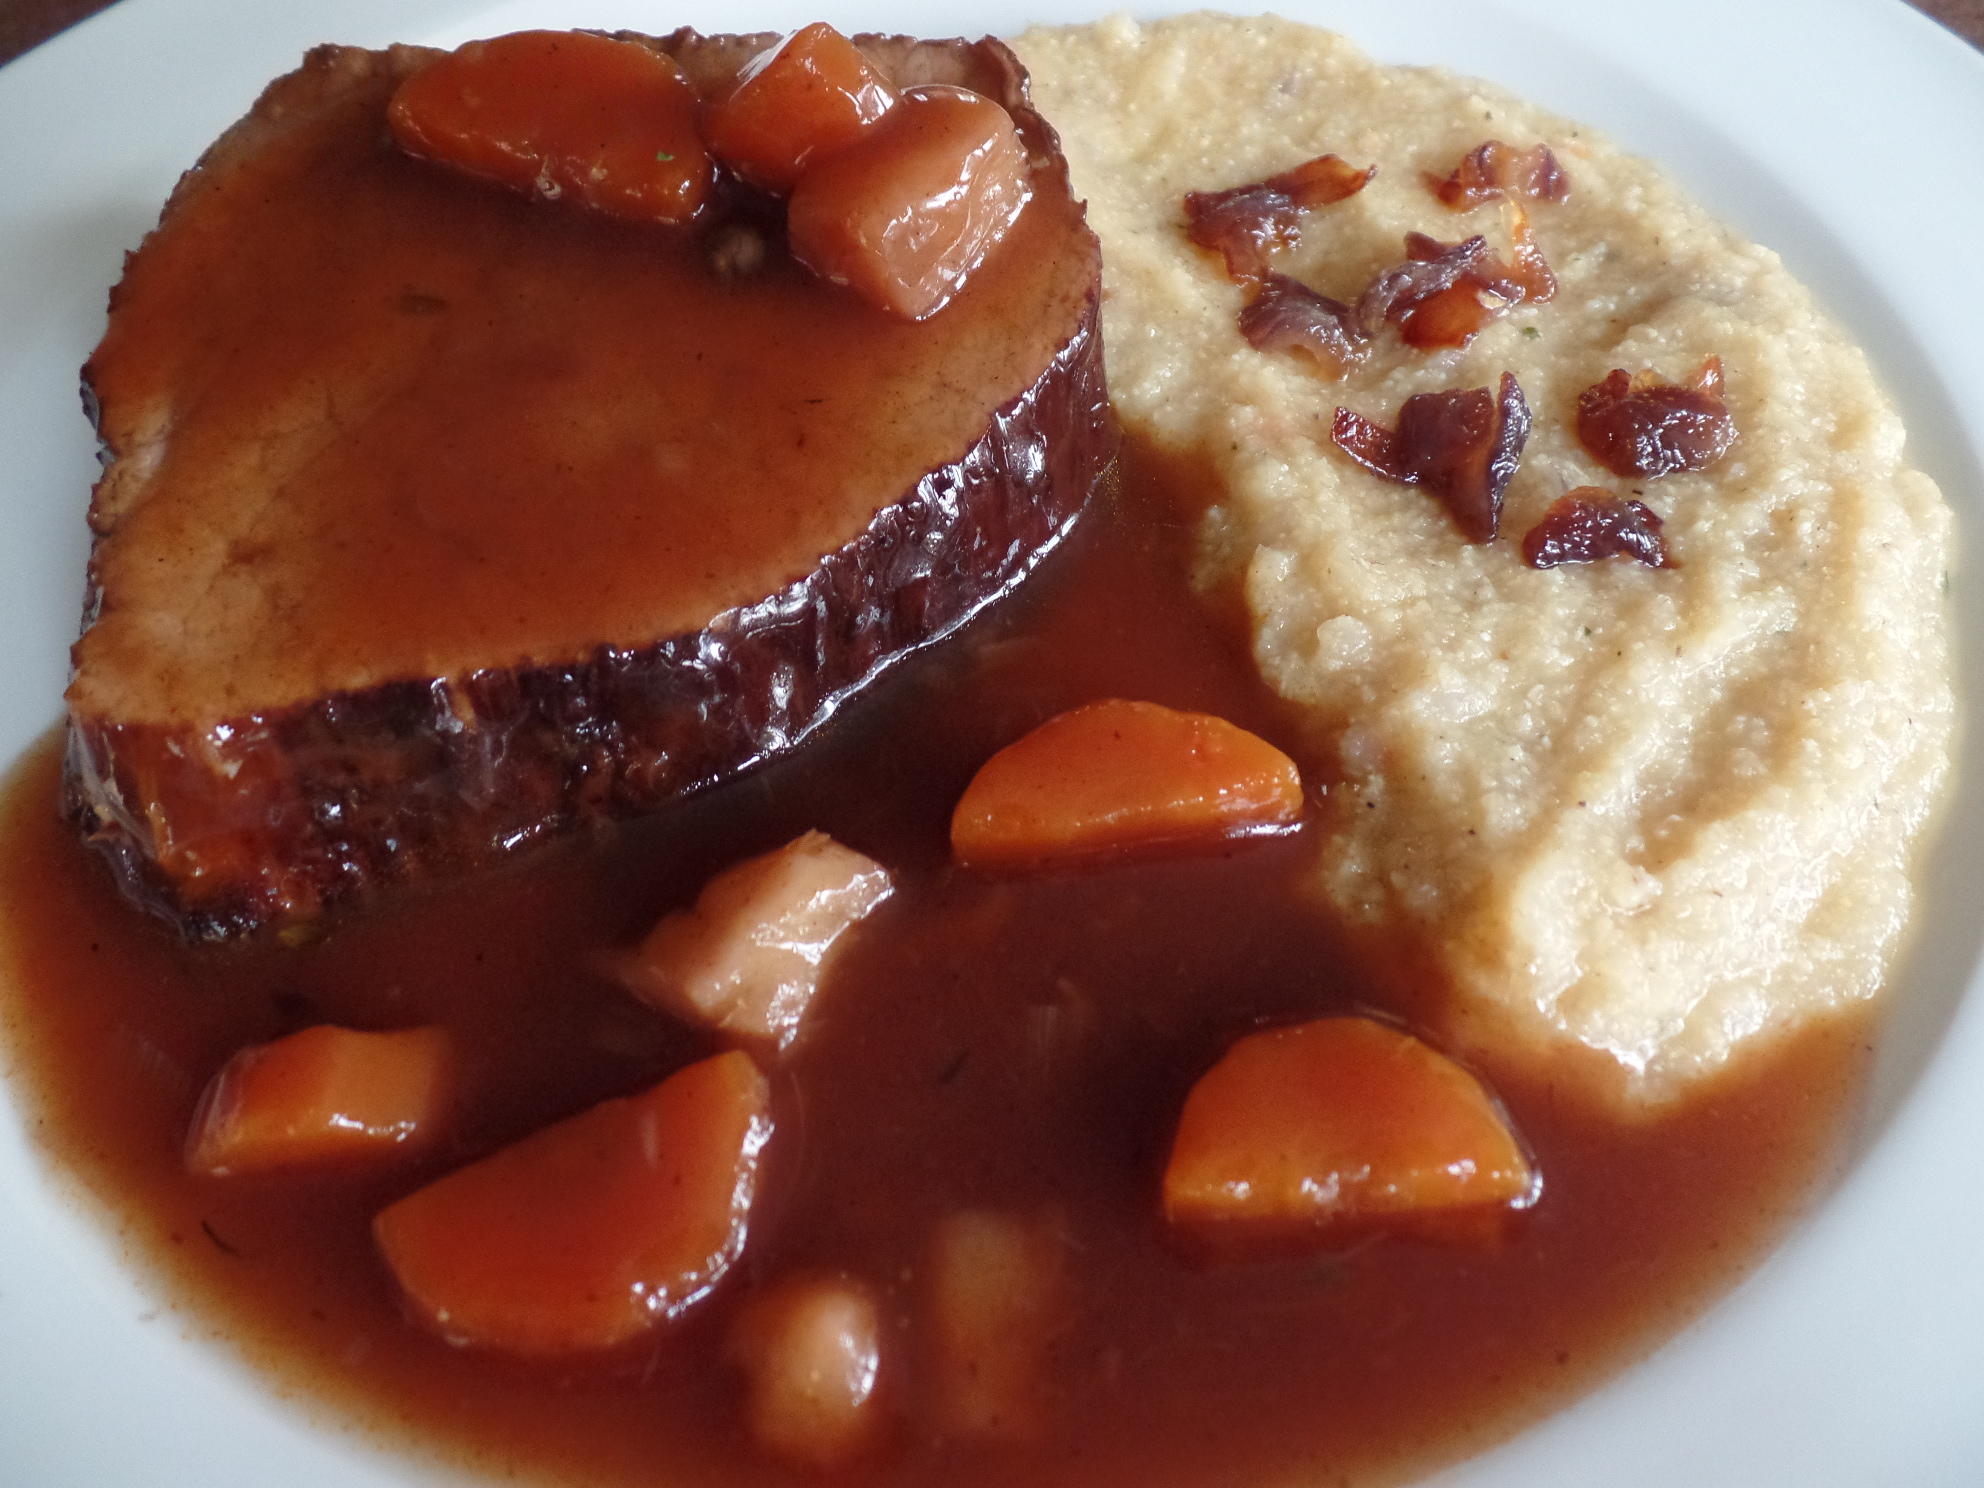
(1430, 268)
(1321, 182)
(749, 957)
(1639, 427)
(1493, 169)
(610, 124)
(1444, 293)
(1461, 446)
(906, 213)
(588, 1233)
(811, 1352)
(1247, 224)
(324, 1097)
(1329, 1131)
(1526, 278)
(1452, 317)
(800, 100)
(1590, 523)
(995, 1295)
(1285, 314)
(1119, 777)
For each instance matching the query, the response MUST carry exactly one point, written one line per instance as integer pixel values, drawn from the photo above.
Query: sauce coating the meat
(1012, 1045)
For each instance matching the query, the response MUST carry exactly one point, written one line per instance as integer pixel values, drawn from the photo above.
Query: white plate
(1842, 132)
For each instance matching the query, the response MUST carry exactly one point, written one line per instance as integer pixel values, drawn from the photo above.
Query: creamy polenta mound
(1658, 813)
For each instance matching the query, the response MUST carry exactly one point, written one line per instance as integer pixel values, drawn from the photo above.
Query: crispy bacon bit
(1494, 169)
(1319, 182)
(1463, 446)
(1436, 297)
(1430, 268)
(1248, 223)
(1450, 318)
(1288, 315)
(1590, 523)
(1641, 426)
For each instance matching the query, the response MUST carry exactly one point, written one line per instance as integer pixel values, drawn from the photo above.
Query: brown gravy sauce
(1016, 1042)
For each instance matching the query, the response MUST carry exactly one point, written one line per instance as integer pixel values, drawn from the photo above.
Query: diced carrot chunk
(611, 124)
(797, 101)
(588, 1232)
(906, 214)
(1339, 1128)
(749, 957)
(322, 1097)
(811, 1348)
(1119, 776)
(996, 1294)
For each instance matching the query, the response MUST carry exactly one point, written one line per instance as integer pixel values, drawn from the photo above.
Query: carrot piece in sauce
(800, 100)
(589, 1232)
(323, 1097)
(1334, 1130)
(1118, 777)
(906, 214)
(612, 124)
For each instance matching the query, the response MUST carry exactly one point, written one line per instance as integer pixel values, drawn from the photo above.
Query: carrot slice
(1335, 1129)
(323, 1097)
(1117, 776)
(591, 1231)
(802, 99)
(611, 124)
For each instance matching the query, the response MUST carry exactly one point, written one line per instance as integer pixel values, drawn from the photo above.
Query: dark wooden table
(23, 23)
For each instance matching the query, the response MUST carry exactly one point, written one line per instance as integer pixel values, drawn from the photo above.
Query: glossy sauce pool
(1019, 1043)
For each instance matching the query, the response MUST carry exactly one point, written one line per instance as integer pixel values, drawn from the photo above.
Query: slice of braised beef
(1590, 523)
(1495, 169)
(1247, 224)
(549, 520)
(1287, 315)
(1640, 426)
(1462, 446)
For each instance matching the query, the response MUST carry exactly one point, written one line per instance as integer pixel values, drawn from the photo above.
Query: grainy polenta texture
(1657, 813)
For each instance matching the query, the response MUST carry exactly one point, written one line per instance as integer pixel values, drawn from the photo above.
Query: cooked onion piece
(749, 956)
